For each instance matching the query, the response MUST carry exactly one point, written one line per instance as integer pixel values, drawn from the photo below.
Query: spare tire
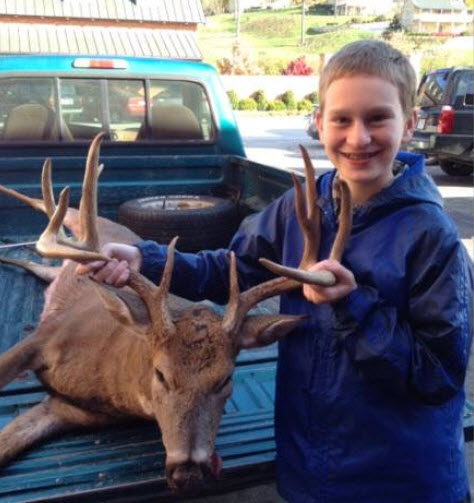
(201, 222)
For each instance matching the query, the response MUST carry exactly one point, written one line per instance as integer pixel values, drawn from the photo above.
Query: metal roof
(95, 40)
(178, 11)
(440, 5)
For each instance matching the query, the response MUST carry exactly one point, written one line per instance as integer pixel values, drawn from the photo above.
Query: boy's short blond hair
(371, 57)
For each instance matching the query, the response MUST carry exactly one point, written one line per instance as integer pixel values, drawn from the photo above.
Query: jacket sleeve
(426, 352)
(205, 275)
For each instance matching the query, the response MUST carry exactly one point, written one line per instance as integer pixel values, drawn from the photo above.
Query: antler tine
(50, 246)
(310, 222)
(155, 297)
(345, 223)
(48, 195)
(233, 311)
(88, 204)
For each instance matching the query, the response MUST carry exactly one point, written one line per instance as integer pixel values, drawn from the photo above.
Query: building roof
(97, 41)
(440, 4)
(178, 11)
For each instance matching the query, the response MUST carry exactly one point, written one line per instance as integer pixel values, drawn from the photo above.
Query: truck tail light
(105, 64)
(445, 120)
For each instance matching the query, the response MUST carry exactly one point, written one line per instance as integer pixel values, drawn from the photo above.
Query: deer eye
(160, 376)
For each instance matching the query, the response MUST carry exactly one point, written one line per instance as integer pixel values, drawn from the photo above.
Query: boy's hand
(345, 283)
(116, 271)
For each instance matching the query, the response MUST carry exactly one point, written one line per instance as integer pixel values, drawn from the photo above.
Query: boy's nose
(358, 135)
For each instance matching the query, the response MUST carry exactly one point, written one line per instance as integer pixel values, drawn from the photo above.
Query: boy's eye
(340, 120)
(378, 117)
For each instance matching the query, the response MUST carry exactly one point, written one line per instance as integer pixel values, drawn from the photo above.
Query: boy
(370, 388)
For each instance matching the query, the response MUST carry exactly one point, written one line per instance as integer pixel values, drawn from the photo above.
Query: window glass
(27, 110)
(432, 89)
(127, 108)
(464, 84)
(179, 111)
(81, 108)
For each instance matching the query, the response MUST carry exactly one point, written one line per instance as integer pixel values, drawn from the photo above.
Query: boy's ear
(410, 124)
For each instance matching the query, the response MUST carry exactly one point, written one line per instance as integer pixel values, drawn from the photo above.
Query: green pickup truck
(173, 163)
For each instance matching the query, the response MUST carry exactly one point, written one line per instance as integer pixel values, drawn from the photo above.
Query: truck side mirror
(469, 99)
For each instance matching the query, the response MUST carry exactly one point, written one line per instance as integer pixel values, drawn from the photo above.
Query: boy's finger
(90, 267)
(104, 272)
(123, 279)
(116, 273)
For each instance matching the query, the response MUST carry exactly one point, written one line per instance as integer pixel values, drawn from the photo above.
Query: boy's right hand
(115, 272)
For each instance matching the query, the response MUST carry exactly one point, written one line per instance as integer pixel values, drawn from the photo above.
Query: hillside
(269, 40)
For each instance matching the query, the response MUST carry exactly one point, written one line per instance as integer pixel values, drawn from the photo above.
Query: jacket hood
(412, 186)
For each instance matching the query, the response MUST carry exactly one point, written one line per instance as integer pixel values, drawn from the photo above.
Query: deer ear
(116, 306)
(262, 330)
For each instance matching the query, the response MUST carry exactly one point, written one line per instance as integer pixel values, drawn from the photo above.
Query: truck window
(27, 109)
(432, 89)
(179, 111)
(464, 85)
(127, 108)
(76, 109)
(81, 108)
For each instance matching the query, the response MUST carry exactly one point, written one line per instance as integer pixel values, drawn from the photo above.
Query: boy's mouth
(359, 156)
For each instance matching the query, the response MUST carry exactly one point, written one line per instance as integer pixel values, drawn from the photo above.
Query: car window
(464, 85)
(76, 109)
(127, 108)
(431, 89)
(179, 111)
(81, 110)
(27, 109)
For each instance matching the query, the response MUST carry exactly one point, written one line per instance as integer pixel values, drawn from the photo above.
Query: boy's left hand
(345, 283)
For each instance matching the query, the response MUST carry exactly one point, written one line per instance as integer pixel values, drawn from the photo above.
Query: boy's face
(362, 127)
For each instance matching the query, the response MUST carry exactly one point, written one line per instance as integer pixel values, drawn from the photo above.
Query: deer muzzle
(190, 477)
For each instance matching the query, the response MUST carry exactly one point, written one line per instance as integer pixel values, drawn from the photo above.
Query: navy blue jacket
(370, 389)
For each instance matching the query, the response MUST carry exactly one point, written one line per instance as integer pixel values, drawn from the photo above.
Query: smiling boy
(369, 390)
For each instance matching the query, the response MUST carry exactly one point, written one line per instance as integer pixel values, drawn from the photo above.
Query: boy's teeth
(358, 156)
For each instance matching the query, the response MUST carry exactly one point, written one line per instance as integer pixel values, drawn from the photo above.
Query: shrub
(276, 106)
(288, 98)
(312, 97)
(298, 67)
(271, 66)
(239, 64)
(247, 104)
(260, 99)
(233, 98)
(304, 105)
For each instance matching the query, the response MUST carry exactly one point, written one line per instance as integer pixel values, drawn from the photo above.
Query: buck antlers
(51, 244)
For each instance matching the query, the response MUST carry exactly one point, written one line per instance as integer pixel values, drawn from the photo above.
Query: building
(435, 16)
(165, 29)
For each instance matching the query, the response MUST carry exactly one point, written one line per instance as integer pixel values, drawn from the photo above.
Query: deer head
(191, 350)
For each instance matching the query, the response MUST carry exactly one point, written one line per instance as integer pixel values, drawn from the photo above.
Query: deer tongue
(216, 464)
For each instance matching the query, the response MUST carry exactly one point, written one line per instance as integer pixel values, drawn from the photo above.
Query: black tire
(455, 169)
(201, 222)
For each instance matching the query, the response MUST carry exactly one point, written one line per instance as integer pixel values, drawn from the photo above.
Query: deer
(106, 355)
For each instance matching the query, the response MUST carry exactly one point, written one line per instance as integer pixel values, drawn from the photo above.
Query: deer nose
(186, 478)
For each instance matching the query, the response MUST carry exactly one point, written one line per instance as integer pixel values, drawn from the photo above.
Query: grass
(271, 39)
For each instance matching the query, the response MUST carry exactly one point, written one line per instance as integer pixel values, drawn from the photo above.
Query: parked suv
(445, 119)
